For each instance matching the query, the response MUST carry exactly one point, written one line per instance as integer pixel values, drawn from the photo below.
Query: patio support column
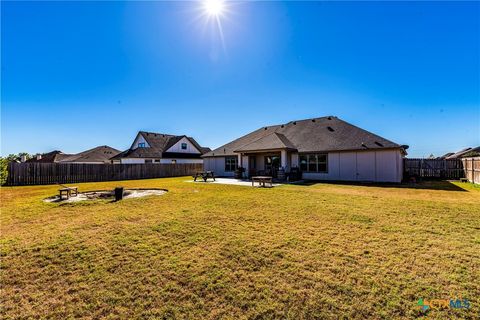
(240, 161)
(283, 159)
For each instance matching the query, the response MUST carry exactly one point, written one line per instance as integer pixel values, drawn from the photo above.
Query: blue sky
(77, 75)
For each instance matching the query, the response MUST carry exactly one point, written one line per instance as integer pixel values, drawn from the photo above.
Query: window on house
(313, 162)
(184, 146)
(322, 160)
(174, 161)
(141, 144)
(303, 162)
(230, 163)
(148, 160)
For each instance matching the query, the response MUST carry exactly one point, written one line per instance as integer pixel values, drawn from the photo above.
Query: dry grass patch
(209, 251)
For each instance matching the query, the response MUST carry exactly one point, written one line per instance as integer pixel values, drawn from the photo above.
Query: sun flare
(214, 7)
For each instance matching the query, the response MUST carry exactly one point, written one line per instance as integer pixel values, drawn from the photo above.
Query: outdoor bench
(68, 192)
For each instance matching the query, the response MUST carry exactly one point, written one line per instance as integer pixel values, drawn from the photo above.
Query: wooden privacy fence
(20, 174)
(472, 169)
(433, 168)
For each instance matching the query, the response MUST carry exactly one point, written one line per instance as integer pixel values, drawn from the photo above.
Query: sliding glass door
(272, 164)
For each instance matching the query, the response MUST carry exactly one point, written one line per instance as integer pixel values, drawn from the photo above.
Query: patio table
(262, 181)
(204, 175)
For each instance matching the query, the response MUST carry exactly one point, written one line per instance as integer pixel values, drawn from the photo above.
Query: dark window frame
(141, 145)
(184, 146)
(231, 163)
(313, 160)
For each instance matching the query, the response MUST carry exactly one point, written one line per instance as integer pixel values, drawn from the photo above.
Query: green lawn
(205, 251)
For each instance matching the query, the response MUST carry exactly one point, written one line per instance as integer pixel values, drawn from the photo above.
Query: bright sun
(214, 7)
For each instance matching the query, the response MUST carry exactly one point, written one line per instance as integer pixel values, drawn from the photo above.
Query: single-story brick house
(326, 148)
(152, 147)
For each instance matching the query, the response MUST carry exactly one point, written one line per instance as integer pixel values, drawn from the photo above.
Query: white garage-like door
(365, 166)
(347, 166)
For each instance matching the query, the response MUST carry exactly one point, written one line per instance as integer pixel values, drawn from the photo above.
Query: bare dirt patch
(107, 195)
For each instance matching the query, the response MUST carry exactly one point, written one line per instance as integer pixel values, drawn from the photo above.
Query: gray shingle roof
(310, 135)
(97, 154)
(463, 152)
(271, 141)
(446, 155)
(159, 143)
(50, 157)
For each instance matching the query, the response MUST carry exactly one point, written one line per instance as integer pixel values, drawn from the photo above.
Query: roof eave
(354, 149)
(263, 150)
(221, 154)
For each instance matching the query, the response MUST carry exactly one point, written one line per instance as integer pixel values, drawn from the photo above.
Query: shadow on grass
(427, 185)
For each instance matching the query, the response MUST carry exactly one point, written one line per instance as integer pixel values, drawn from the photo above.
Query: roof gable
(269, 142)
(139, 139)
(157, 141)
(174, 145)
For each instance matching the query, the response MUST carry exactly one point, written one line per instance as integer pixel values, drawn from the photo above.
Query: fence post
(421, 168)
(473, 170)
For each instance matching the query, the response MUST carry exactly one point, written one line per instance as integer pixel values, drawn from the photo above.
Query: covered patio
(268, 156)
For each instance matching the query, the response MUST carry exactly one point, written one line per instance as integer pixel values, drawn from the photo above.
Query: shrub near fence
(472, 169)
(433, 168)
(20, 174)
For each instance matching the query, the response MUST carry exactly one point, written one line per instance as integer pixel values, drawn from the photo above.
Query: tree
(11, 157)
(3, 170)
(4, 161)
(26, 154)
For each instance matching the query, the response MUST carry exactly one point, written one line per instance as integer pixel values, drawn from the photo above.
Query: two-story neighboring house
(151, 147)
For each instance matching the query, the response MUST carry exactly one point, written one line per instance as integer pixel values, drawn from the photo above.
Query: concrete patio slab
(232, 181)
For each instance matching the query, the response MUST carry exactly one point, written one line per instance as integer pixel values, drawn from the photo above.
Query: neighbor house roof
(49, 157)
(464, 152)
(445, 155)
(97, 154)
(310, 135)
(159, 143)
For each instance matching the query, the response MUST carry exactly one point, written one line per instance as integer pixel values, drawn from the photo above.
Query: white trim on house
(178, 161)
(184, 142)
(162, 160)
(139, 139)
(132, 161)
